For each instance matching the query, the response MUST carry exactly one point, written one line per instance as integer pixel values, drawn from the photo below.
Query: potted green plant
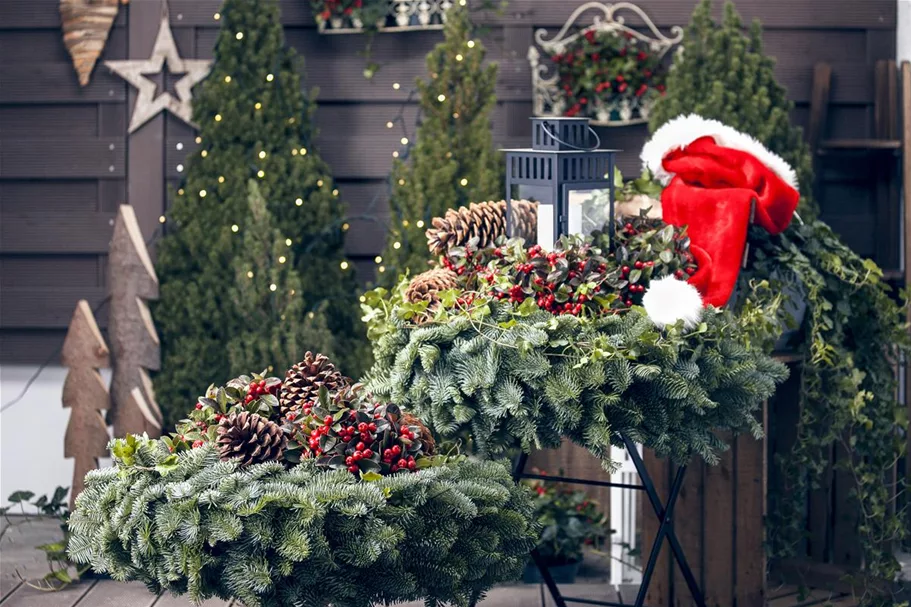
(569, 521)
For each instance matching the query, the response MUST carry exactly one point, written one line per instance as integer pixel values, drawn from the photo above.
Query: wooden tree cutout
(85, 393)
(134, 341)
(86, 25)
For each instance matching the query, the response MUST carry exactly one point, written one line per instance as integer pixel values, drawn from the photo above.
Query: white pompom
(669, 300)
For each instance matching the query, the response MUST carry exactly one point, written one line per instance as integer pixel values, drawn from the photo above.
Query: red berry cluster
(327, 8)
(255, 389)
(350, 432)
(567, 280)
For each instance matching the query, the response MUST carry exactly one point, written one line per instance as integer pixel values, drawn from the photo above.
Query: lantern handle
(597, 145)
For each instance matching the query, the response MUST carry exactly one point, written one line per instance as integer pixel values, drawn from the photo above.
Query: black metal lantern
(564, 158)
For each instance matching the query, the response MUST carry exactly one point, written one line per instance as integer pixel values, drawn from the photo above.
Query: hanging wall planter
(607, 71)
(357, 16)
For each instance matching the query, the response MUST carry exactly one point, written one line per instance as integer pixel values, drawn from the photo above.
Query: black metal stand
(664, 513)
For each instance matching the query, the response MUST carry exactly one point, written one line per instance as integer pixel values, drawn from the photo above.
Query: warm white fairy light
(345, 227)
(291, 120)
(273, 287)
(217, 117)
(363, 299)
(459, 57)
(344, 265)
(257, 106)
(288, 242)
(180, 168)
(303, 151)
(396, 245)
(335, 192)
(227, 78)
(294, 152)
(162, 219)
(401, 182)
(420, 223)
(405, 223)
(239, 35)
(199, 140)
(179, 146)
(262, 154)
(390, 124)
(282, 259)
(396, 85)
(395, 154)
(180, 192)
(378, 259)
(260, 173)
(298, 201)
(202, 193)
(270, 77)
(204, 153)
(463, 181)
(235, 228)
(381, 269)
(470, 44)
(292, 291)
(441, 98)
(249, 274)
(319, 183)
(221, 179)
(404, 141)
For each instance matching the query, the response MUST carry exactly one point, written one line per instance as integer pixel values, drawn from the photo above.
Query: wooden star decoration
(135, 71)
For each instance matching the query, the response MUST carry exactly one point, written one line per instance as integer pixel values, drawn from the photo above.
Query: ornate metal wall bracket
(544, 78)
(401, 16)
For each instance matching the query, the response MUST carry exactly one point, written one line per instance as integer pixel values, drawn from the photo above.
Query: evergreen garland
(854, 330)
(271, 537)
(516, 375)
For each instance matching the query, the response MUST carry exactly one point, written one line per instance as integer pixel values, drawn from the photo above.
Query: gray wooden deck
(20, 562)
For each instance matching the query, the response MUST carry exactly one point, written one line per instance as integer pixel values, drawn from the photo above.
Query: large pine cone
(485, 221)
(303, 381)
(426, 286)
(427, 442)
(250, 438)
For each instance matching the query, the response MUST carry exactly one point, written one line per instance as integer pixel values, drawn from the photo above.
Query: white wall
(904, 30)
(32, 431)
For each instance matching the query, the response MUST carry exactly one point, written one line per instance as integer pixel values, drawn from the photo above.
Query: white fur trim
(669, 300)
(683, 130)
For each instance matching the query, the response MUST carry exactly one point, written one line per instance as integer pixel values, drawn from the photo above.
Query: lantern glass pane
(533, 215)
(593, 211)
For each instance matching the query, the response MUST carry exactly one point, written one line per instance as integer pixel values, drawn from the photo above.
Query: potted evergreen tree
(569, 521)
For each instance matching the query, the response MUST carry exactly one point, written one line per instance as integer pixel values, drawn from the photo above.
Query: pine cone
(485, 221)
(250, 438)
(303, 381)
(426, 286)
(429, 445)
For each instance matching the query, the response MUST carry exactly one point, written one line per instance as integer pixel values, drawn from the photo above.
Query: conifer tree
(255, 122)
(724, 75)
(453, 161)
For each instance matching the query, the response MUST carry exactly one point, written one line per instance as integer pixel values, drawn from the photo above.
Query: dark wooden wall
(66, 162)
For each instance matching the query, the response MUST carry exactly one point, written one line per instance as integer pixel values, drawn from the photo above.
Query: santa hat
(713, 175)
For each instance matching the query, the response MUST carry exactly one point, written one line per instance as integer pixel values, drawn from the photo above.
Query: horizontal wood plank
(73, 233)
(50, 271)
(30, 347)
(47, 307)
(57, 83)
(108, 593)
(61, 158)
(27, 596)
(59, 196)
(37, 120)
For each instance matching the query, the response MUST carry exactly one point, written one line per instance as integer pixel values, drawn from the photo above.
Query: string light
(335, 192)
(227, 78)
(378, 259)
(319, 183)
(257, 106)
(459, 57)
(309, 314)
(282, 259)
(162, 219)
(249, 274)
(269, 77)
(464, 181)
(221, 179)
(420, 223)
(199, 140)
(455, 115)
(381, 269)
(217, 117)
(470, 44)
(441, 98)
(235, 228)
(463, 2)
(303, 151)
(288, 242)
(396, 85)
(345, 227)
(363, 299)
(216, 16)
(239, 35)
(262, 154)
(180, 168)
(299, 201)
(395, 154)
(260, 173)
(405, 223)
(404, 141)
(294, 152)
(293, 291)
(180, 192)
(204, 153)
(396, 245)
(401, 182)
(390, 124)
(291, 120)
(344, 265)
(202, 193)
(179, 145)
(273, 287)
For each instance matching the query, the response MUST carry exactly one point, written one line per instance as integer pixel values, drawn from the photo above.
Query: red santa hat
(713, 174)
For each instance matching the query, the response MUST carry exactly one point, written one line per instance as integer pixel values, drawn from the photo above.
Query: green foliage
(453, 143)
(255, 123)
(569, 520)
(515, 375)
(724, 75)
(269, 536)
(852, 336)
